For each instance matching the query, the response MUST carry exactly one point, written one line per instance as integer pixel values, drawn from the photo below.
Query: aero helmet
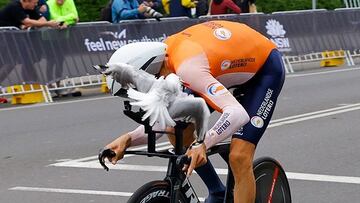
(147, 56)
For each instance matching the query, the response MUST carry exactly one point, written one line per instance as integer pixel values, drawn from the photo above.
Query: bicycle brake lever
(105, 153)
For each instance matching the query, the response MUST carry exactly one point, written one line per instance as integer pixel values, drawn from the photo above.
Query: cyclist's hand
(119, 146)
(197, 153)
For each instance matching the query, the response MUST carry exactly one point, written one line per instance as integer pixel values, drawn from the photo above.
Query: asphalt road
(47, 151)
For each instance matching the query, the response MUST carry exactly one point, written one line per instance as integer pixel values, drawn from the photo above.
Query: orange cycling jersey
(229, 47)
(213, 56)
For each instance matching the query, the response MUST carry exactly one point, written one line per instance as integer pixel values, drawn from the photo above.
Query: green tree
(89, 10)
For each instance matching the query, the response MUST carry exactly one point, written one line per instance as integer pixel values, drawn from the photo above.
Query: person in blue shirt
(43, 8)
(127, 9)
(154, 4)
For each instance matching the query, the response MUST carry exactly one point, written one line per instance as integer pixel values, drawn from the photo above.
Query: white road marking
(57, 103)
(72, 191)
(323, 178)
(313, 115)
(58, 190)
(295, 75)
(220, 171)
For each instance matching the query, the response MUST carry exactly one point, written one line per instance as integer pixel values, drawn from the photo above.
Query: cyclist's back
(228, 47)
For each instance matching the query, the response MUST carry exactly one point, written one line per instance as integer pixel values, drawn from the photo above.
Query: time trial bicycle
(271, 182)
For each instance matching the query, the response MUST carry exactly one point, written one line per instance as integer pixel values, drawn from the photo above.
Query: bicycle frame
(267, 170)
(174, 174)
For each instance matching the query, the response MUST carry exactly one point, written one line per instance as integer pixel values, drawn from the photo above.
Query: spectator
(155, 4)
(3, 100)
(127, 9)
(202, 8)
(63, 11)
(245, 5)
(43, 9)
(23, 14)
(222, 6)
(181, 7)
(166, 6)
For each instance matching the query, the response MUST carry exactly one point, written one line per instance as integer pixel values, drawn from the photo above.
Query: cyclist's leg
(240, 159)
(258, 97)
(188, 135)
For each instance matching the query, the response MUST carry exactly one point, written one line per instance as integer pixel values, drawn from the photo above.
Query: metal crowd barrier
(8, 28)
(47, 91)
(78, 82)
(352, 3)
(315, 57)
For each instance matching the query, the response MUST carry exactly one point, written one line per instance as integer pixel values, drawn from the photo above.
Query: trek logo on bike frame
(158, 193)
(189, 192)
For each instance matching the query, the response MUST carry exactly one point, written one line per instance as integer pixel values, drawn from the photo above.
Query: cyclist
(210, 58)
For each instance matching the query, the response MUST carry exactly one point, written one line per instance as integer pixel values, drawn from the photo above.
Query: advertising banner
(47, 55)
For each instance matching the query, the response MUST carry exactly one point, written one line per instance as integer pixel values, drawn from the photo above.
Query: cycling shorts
(259, 95)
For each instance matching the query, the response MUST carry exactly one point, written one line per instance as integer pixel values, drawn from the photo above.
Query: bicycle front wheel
(272, 185)
(154, 192)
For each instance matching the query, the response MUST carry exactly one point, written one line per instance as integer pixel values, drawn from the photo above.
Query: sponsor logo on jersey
(257, 121)
(222, 33)
(266, 105)
(212, 25)
(239, 132)
(186, 34)
(225, 64)
(222, 124)
(237, 63)
(216, 89)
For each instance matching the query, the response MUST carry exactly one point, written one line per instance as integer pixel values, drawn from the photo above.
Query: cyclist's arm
(233, 117)
(139, 137)
(233, 114)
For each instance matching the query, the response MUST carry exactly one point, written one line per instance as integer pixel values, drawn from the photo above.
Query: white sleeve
(139, 137)
(232, 118)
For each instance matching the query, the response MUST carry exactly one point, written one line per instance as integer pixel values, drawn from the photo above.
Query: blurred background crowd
(63, 13)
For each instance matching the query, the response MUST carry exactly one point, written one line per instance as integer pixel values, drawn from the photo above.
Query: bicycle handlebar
(183, 160)
(105, 153)
(137, 116)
